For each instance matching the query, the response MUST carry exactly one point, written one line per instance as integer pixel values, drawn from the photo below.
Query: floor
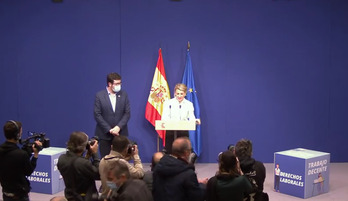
(338, 184)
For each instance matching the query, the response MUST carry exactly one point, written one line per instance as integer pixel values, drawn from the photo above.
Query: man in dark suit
(111, 112)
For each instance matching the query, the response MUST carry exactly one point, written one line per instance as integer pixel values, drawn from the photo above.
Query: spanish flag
(158, 94)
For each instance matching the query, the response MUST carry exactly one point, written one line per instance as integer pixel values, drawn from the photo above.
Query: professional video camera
(30, 141)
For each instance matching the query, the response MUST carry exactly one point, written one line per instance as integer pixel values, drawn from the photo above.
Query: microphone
(180, 111)
(170, 111)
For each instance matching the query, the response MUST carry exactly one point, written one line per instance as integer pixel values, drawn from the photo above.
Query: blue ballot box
(46, 177)
(301, 172)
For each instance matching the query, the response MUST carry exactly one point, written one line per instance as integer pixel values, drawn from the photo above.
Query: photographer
(79, 173)
(19, 164)
(254, 170)
(121, 150)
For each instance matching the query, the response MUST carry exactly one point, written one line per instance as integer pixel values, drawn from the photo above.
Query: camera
(192, 158)
(131, 147)
(231, 147)
(30, 141)
(91, 142)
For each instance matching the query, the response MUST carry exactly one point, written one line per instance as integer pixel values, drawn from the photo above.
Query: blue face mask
(111, 185)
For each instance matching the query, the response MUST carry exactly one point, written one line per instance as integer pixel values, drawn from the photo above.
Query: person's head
(77, 142)
(244, 148)
(277, 166)
(182, 148)
(180, 91)
(114, 82)
(117, 173)
(155, 159)
(228, 163)
(13, 130)
(120, 144)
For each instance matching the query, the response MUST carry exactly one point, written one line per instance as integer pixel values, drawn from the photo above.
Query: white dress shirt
(173, 110)
(112, 99)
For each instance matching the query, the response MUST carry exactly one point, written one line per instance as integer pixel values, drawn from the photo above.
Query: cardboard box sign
(301, 172)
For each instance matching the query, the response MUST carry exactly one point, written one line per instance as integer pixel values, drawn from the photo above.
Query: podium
(178, 127)
(304, 173)
(46, 177)
(175, 125)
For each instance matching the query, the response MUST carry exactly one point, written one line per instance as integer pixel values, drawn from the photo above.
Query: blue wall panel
(271, 71)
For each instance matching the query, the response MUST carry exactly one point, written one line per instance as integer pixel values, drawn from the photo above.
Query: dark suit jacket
(106, 118)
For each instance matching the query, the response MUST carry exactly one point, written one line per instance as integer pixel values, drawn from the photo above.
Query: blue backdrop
(272, 71)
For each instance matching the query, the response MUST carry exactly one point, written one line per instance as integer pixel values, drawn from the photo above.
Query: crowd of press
(114, 160)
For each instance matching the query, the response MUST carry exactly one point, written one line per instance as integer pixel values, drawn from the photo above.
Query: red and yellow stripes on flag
(158, 94)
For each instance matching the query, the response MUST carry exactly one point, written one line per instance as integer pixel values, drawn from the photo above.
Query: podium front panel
(175, 125)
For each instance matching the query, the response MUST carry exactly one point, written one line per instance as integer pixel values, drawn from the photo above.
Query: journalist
(123, 186)
(121, 150)
(19, 164)
(80, 170)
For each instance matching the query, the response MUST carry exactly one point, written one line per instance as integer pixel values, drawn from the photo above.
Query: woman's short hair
(181, 87)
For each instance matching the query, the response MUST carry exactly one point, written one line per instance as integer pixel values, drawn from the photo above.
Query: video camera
(30, 141)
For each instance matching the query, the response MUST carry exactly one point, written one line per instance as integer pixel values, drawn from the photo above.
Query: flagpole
(157, 143)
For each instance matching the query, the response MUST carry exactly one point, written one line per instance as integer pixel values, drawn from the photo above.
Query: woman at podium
(179, 109)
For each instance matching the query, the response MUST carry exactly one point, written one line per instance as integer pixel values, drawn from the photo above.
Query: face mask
(111, 185)
(116, 88)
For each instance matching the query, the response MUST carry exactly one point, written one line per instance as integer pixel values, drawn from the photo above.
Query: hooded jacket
(255, 168)
(175, 180)
(16, 165)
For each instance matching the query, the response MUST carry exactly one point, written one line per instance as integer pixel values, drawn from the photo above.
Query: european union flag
(189, 81)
